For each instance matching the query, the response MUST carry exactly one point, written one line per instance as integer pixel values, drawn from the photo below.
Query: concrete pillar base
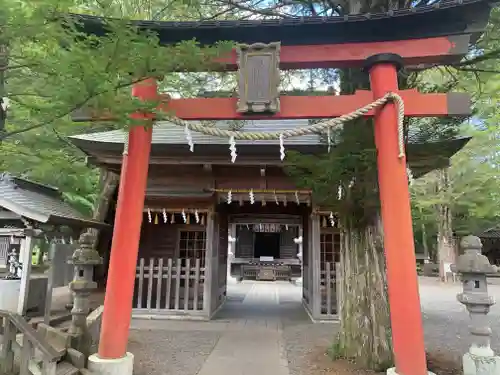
(392, 371)
(116, 366)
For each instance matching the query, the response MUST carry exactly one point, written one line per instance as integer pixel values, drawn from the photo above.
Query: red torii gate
(382, 60)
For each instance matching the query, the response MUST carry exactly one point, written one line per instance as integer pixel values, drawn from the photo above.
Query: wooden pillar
(50, 285)
(315, 266)
(25, 259)
(126, 233)
(214, 280)
(209, 251)
(406, 317)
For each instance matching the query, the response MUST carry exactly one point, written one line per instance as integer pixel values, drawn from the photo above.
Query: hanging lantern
(156, 218)
(202, 221)
(184, 216)
(188, 218)
(172, 218)
(165, 217)
(276, 198)
(149, 216)
(297, 200)
(196, 216)
(252, 197)
(229, 197)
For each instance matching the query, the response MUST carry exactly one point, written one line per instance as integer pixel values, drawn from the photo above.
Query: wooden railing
(169, 285)
(47, 357)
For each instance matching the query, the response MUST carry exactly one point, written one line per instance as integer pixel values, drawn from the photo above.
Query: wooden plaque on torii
(258, 78)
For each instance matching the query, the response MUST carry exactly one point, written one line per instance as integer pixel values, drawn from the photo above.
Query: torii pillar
(404, 299)
(112, 357)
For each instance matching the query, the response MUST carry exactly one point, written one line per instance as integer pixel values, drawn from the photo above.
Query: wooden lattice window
(192, 245)
(330, 248)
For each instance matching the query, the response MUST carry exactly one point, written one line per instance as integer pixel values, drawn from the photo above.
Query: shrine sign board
(258, 78)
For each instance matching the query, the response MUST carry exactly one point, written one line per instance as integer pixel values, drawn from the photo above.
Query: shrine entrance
(266, 245)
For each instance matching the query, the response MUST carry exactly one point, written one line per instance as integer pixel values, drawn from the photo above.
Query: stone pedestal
(392, 371)
(480, 364)
(115, 366)
(9, 295)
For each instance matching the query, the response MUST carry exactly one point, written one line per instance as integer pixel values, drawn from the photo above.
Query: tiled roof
(38, 202)
(168, 133)
(443, 18)
(491, 233)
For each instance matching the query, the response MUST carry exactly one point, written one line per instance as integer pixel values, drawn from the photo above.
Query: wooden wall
(220, 177)
(162, 240)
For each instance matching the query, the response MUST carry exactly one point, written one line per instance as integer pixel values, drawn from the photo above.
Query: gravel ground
(165, 352)
(446, 321)
(175, 347)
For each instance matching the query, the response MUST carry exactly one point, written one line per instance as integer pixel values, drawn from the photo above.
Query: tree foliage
(49, 68)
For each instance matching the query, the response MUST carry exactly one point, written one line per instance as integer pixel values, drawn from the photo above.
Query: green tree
(48, 69)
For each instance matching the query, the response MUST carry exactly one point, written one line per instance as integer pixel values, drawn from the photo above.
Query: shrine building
(200, 205)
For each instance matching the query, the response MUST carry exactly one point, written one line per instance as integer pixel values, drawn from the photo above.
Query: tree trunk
(365, 334)
(364, 312)
(3, 91)
(445, 246)
(108, 183)
(424, 243)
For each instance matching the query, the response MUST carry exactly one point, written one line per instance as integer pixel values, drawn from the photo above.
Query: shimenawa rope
(311, 129)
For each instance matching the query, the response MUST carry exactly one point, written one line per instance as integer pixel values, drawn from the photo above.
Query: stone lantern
(84, 259)
(473, 268)
(231, 241)
(299, 242)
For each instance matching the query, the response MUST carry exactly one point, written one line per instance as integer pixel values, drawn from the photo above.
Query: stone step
(62, 368)
(66, 368)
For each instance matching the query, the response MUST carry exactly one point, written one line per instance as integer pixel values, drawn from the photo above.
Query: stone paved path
(257, 346)
(250, 335)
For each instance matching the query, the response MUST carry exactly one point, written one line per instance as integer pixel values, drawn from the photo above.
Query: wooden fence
(4, 249)
(328, 288)
(169, 285)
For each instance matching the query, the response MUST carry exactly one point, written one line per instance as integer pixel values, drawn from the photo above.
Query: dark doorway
(267, 245)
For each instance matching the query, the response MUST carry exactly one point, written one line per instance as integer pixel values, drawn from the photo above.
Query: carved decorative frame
(258, 91)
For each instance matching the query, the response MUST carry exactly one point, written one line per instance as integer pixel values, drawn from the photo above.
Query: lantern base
(478, 364)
